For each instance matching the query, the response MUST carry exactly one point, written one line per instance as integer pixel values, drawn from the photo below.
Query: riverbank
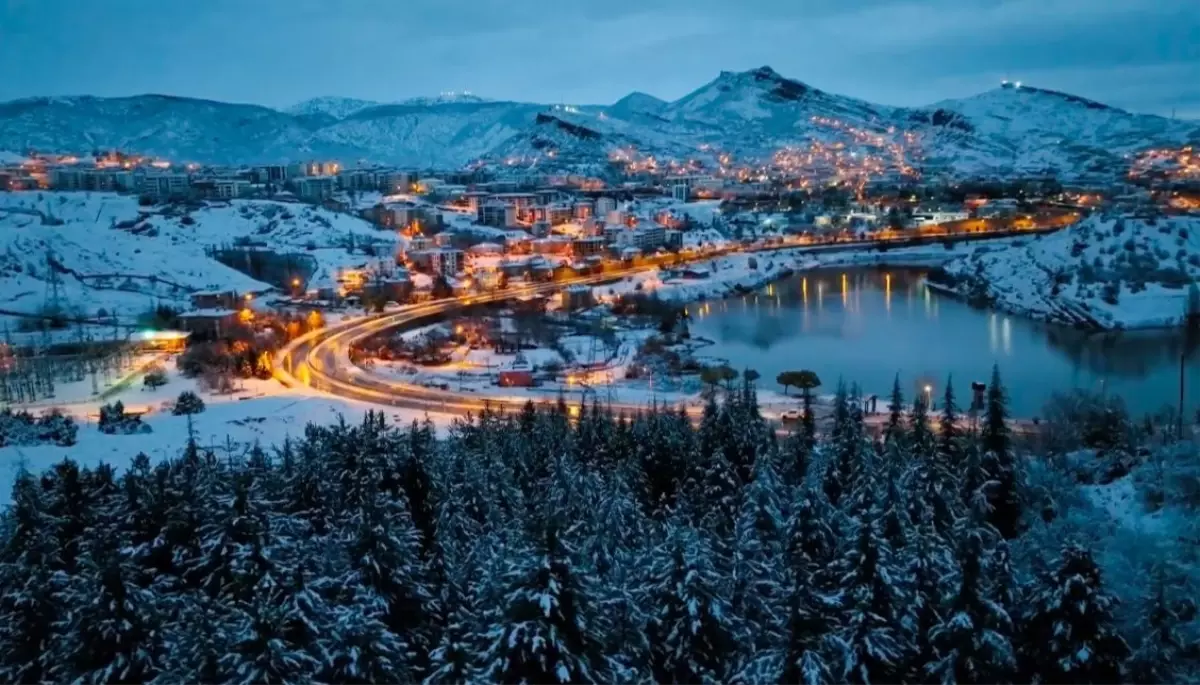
(742, 273)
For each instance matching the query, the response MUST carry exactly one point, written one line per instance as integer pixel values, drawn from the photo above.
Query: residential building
(680, 192)
(578, 297)
(87, 178)
(313, 188)
(586, 247)
(493, 213)
(604, 205)
(582, 210)
(445, 261)
(559, 246)
(162, 185)
(276, 174)
(646, 238)
(485, 249)
(208, 322)
(322, 169)
(559, 214)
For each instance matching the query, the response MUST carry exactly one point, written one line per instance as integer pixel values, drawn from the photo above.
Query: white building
(230, 188)
(645, 238)
(931, 218)
(445, 261)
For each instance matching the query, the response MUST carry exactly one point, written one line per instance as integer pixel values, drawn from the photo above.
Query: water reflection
(852, 324)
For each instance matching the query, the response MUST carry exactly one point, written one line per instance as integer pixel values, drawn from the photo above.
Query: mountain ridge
(751, 115)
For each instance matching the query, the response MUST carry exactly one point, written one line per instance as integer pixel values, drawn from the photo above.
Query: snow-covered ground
(260, 412)
(1119, 271)
(116, 256)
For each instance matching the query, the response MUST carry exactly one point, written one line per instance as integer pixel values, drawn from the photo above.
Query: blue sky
(1138, 54)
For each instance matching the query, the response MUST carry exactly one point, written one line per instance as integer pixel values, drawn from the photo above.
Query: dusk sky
(1138, 54)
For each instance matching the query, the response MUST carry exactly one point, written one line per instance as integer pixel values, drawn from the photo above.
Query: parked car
(791, 416)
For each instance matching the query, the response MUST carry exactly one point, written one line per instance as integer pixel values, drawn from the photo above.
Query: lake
(867, 325)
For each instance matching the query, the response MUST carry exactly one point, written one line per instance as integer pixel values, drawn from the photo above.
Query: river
(867, 325)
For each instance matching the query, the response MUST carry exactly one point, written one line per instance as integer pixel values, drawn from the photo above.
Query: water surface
(867, 325)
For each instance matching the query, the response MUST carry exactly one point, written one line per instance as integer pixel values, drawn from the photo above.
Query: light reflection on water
(865, 325)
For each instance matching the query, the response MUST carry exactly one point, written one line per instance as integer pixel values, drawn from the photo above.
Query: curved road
(321, 359)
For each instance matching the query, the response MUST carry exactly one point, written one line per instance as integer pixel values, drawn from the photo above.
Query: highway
(321, 359)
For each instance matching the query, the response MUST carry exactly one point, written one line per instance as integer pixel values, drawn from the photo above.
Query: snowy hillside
(1118, 271)
(330, 105)
(1037, 130)
(113, 255)
(749, 115)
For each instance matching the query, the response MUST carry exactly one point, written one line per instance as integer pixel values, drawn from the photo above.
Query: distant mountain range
(747, 116)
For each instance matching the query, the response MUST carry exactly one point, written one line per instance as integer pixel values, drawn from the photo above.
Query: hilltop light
(1017, 84)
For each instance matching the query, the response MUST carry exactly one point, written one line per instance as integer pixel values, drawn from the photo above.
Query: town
(638, 362)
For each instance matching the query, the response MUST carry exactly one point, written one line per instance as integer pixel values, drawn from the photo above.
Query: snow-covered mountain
(747, 116)
(330, 105)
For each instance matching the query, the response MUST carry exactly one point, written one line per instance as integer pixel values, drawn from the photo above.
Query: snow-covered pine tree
(1160, 657)
(453, 659)
(260, 649)
(760, 542)
(895, 424)
(949, 451)
(692, 638)
(974, 642)
(30, 615)
(808, 657)
(811, 542)
(921, 439)
(927, 568)
(113, 634)
(385, 562)
(873, 650)
(231, 562)
(542, 634)
(359, 648)
(995, 434)
(1068, 635)
(846, 443)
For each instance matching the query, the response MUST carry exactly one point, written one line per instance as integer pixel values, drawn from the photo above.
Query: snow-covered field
(115, 256)
(1119, 271)
(260, 412)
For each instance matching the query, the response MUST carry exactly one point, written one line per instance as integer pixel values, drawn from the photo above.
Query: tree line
(568, 544)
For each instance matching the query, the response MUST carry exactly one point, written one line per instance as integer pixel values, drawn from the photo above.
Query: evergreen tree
(543, 635)
(361, 649)
(1068, 635)
(811, 542)
(263, 651)
(949, 433)
(806, 656)
(921, 438)
(691, 636)
(1161, 656)
(114, 636)
(188, 403)
(873, 649)
(386, 563)
(895, 424)
(760, 541)
(995, 434)
(974, 641)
